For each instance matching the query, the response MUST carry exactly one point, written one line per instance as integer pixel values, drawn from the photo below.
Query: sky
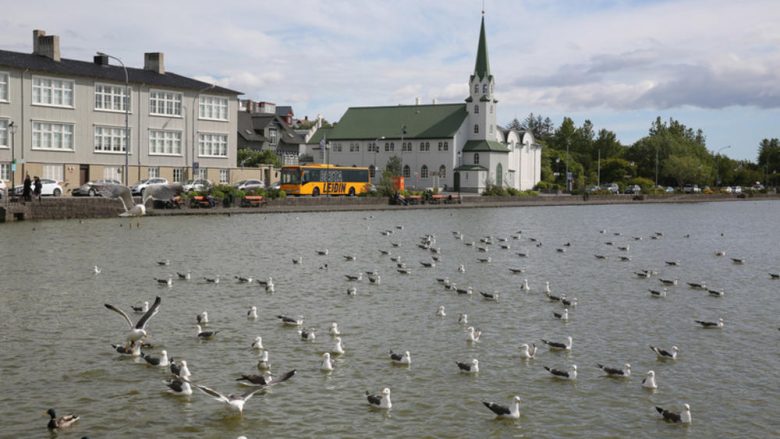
(711, 64)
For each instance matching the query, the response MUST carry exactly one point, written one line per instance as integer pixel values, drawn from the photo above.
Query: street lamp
(717, 162)
(376, 153)
(127, 115)
(12, 129)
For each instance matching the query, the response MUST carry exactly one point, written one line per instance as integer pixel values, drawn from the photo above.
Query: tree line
(671, 154)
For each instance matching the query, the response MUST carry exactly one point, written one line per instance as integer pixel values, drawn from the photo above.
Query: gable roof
(318, 135)
(70, 67)
(484, 145)
(421, 122)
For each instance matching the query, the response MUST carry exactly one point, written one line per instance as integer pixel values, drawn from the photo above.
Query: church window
(476, 128)
(407, 171)
(476, 109)
(442, 171)
(387, 146)
(392, 146)
(476, 158)
(424, 172)
(476, 88)
(446, 146)
(441, 144)
(484, 88)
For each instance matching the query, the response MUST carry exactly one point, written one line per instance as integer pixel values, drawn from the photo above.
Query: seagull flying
(137, 330)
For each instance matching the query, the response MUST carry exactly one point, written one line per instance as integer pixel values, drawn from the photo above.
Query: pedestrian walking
(38, 186)
(27, 188)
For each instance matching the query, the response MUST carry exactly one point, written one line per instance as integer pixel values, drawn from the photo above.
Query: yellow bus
(319, 179)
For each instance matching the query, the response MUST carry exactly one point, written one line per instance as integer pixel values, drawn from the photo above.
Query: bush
(494, 191)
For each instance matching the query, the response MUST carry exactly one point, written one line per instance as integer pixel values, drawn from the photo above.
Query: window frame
(476, 158)
(407, 171)
(224, 176)
(7, 84)
(6, 133)
(171, 154)
(212, 104)
(476, 128)
(128, 101)
(442, 172)
(424, 171)
(155, 91)
(122, 141)
(201, 150)
(40, 148)
(5, 171)
(52, 78)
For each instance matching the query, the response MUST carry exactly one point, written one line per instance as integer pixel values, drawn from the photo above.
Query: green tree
(250, 158)
(616, 170)
(394, 166)
(686, 169)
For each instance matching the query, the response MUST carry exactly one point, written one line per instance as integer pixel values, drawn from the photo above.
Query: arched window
(476, 158)
(476, 109)
(476, 88)
(442, 171)
(476, 128)
(484, 89)
(424, 172)
(407, 171)
(422, 146)
(392, 146)
(387, 147)
(371, 171)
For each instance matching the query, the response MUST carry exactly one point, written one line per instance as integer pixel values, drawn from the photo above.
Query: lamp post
(12, 129)
(717, 162)
(127, 115)
(376, 153)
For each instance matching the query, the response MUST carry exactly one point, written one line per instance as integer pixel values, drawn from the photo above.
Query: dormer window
(476, 109)
(476, 158)
(476, 128)
(485, 88)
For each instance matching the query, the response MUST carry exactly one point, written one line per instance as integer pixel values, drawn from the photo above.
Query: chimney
(101, 60)
(417, 101)
(48, 46)
(155, 62)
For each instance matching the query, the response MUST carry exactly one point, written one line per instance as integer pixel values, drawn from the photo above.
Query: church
(454, 147)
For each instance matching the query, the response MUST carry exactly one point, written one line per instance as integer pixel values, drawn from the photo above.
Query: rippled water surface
(56, 334)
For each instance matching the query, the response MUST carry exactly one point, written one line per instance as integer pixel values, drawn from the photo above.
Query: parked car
(3, 187)
(138, 188)
(758, 187)
(50, 188)
(277, 185)
(737, 189)
(691, 189)
(727, 189)
(633, 189)
(90, 188)
(198, 185)
(669, 190)
(249, 185)
(613, 188)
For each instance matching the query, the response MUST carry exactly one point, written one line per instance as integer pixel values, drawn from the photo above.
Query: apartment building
(65, 119)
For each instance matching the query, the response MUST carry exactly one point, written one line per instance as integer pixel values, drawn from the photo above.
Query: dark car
(90, 188)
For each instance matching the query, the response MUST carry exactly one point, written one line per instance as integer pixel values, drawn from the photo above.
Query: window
(154, 172)
(56, 136)
(273, 136)
(387, 146)
(476, 109)
(425, 146)
(4, 133)
(407, 171)
(53, 172)
(110, 139)
(476, 158)
(441, 144)
(476, 128)
(112, 173)
(484, 88)
(178, 175)
(224, 176)
(164, 103)
(212, 145)
(446, 146)
(202, 173)
(110, 98)
(476, 88)
(55, 92)
(164, 142)
(406, 146)
(5, 171)
(371, 171)
(4, 86)
(392, 146)
(337, 147)
(354, 147)
(213, 107)
(424, 172)
(442, 171)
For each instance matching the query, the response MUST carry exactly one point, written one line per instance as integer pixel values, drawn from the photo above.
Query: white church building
(458, 147)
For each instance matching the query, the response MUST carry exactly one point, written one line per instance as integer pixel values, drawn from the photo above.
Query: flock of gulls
(137, 337)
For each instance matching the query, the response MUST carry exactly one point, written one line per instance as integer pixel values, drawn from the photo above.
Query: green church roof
(318, 135)
(484, 145)
(421, 122)
(482, 67)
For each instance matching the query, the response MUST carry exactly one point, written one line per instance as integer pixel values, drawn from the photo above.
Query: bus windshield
(291, 176)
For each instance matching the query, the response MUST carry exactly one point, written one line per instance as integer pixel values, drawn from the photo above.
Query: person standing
(27, 188)
(38, 186)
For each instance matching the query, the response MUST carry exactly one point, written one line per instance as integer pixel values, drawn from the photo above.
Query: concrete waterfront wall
(62, 208)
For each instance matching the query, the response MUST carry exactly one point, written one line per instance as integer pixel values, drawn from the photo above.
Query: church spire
(482, 67)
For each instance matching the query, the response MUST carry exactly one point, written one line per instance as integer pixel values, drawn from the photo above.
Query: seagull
(656, 293)
(571, 374)
(525, 286)
(338, 348)
(600, 256)
(503, 412)
(234, 401)
(97, 269)
(334, 329)
(56, 423)
(202, 318)
(568, 302)
(488, 296)
(618, 373)
(440, 312)
(706, 324)
(164, 262)
(738, 261)
(265, 380)
(404, 270)
(212, 280)
(138, 330)
(297, 260)
(323, 252)
(404, 359)
(205, 335)
(472, 367)
(180, 369)
(461, 268)
(354, 278)
(648, 382)
(243, 280)
(668, 281)
(351, 291)
(673, 263)
(267, 282)
(133, 348)
(307, 334)
(141, 309)
(167, 282)
(376, 279)
(463, 319)
(427, 264)
(526, 352)
(720, 253)
(252, 313)
(349, 258)
(161, 361)
(380, 401)
(677, 418)
(179, 386)
(258, 343)
(472, 335)
(262, 363)
(547, 287)
(697, 285)
(716, 293)
(517, 270)
(289, 321)
(464, 290)
(664, 354)
(522, 254)
(484, 260)
(554, 298)
(185, 276)
(774, 275)
(564, 316)
(326, 365)
(559, 346)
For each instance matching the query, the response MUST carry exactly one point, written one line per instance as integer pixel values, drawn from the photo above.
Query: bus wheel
(351, 192)
(315, 192)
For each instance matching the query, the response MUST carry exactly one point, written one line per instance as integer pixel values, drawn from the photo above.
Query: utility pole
(598, 175)
(656, 165)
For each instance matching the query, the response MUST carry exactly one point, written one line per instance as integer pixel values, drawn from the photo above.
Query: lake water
(56, 333)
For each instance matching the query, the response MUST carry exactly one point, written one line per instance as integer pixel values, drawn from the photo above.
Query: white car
(138, 188)
(200, 185)
(250, 185)
(737, 189)
(2, 188)
(49, 188)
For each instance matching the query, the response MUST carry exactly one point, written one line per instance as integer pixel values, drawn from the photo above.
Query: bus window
(291, 176)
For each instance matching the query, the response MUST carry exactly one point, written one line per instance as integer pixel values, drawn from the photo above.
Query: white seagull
(648, 382)
(564, 316)
(326, 365)
(179, 386)
(711, 325)
(664, 354)
(234, 401)
(559, 346)
(161, 361)
(625, 372)
(472, 335)
(472, 367)
(252, 313)
(263, 363)
(380, 401)
(338, 348)
(678, 418)
(162, 192)
(138, 330)
(527, 352)
(334, 329)
(571, 374)
(258, 343)
(404, 359)
(440, 312)
(511, 412)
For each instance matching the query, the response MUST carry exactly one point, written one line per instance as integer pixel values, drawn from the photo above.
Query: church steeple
(482, 66)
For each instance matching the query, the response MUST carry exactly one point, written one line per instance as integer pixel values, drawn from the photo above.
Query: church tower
(481, 105)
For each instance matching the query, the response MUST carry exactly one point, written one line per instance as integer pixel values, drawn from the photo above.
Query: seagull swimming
(664, 354)
(161, 361)
(710, 325)
(258, 343)
(463, 319)
(472, 367)
(625, 372)
(526, 352)
(380, 401)
(648, 382)
(252, 313)
(262, 363)
(265, 380)
(326, 365)
(564, 316)
(472, 335)
(511, 412)
(338, 348)
(133, 348)
(179, 386)
(138, 330)
(656, 293)
(334, 329)
(307, 334)
(440, 312)
(678, 418)
(141, 309)
(205, 335)
(97, 269)
(180, 369)
(289, 321)
(185, 276)
(404, 359)
(525, 286)
(571, 374)
(234, 401)
(559, 346)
